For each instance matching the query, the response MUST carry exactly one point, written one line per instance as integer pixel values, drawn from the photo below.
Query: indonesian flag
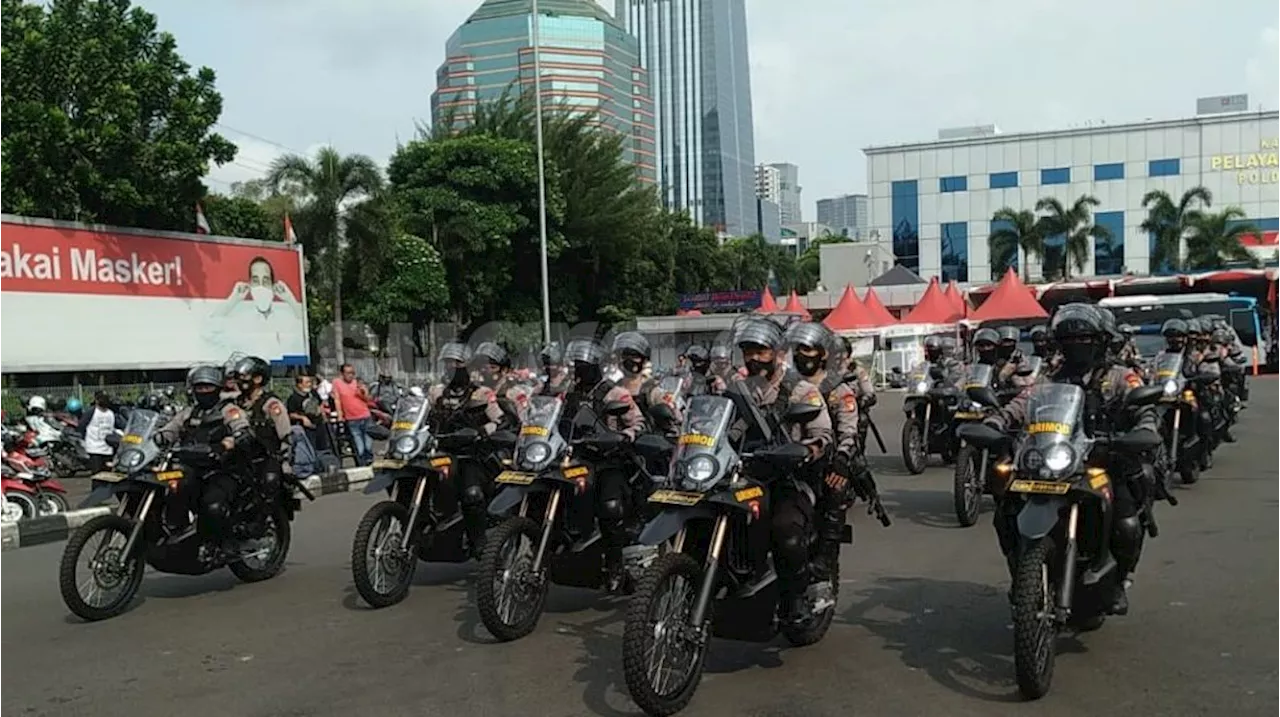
(202, 224)
(289, 236)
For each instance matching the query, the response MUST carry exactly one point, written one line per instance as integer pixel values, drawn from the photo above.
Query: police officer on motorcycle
(792, 499)
(1082, 334)
(556, 379)
(457, 403)
(592, 389)
(268, 421)
(215, 421)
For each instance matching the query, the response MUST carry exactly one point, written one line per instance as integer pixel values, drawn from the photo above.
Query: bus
(1147, 313)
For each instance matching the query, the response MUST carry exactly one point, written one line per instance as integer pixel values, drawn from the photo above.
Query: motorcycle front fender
(511, 495)
(97, 496)
(1039, 516)
(382, 480)
(669, 522)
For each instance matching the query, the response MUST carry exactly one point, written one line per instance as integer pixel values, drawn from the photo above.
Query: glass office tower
(588, 60)
(695, 52)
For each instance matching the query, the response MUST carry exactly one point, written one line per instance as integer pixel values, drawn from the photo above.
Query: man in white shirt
(260, 317)
(96, 425)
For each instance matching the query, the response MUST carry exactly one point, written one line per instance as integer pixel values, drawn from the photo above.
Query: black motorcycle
(713, 576)
(974, 465)
(146, 478)
(1064, 577)
(553, 536)
(928, 428)
(423, 519)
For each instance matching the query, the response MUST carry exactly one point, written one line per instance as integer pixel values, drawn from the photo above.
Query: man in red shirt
(352, 400)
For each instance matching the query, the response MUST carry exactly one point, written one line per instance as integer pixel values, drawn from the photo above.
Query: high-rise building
(588, 61)
(780, 184)
(846, 215)
(696, 54)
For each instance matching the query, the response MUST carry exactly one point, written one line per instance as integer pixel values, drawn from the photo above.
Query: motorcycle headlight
(700, 469)
(1170, 387)
(130, 459)
(1059, 458)
(536, 453)
(406, 445)
(922, 387)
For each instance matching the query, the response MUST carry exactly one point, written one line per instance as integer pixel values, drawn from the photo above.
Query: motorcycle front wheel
(18, 506)
(1035, 629)
(914, 453)
(509, 595)
(49, 503)
(113, 578)
(381, 569)
(966, 493)
(662, 661)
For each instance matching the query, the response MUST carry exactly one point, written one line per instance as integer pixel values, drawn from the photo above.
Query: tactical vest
(205, 427)
(446, 413)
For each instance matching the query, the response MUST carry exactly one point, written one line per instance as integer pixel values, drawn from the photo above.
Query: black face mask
(933, 356)
(758, 368)
(632, 364)
(1174, 343)
(460, 377)
(700, 366)
(1005, 351)
(807, 365)
(245, 385)
(987, 355)
(1078, 359)
(586, 374)
(205, 400)
(1041, 349)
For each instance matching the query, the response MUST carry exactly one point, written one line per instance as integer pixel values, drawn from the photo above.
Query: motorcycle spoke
(512, 591)
(669, 651)
(106, 572)
(385, 546)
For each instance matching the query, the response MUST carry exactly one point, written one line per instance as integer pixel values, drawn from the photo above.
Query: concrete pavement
(923, 626)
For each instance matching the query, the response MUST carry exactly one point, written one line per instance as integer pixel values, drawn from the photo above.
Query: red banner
(78, 261)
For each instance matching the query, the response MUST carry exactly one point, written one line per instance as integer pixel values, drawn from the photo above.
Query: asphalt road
(923, 627)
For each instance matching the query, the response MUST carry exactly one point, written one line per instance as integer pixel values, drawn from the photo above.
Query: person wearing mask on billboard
(261, 315)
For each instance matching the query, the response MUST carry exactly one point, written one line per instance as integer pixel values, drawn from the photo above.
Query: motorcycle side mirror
(792, 452)
(466, 434)
(1144, 395)
(504, 438)
(936, 373)
(803, 413)
(652, 444)
(662, 412)
(983, 395)
(981, 435)
(617, 408)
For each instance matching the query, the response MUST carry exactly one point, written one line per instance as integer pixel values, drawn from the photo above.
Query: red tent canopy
(1011, 299)
(953, 293)
(767, 303)
(794, 306)
(875, 309)
(933, 308)
(849, 313)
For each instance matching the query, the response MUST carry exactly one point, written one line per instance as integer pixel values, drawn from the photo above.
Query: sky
(828, 77)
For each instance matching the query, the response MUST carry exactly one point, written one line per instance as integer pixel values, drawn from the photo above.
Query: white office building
(936, 199)
(780, 183)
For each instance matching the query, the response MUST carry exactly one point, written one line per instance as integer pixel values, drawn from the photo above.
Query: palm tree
(1076, 227)
(1019, 232)
(1215, 236)
(1169, 222)
(332, 192)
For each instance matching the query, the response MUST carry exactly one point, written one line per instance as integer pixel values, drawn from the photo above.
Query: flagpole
(542, 179)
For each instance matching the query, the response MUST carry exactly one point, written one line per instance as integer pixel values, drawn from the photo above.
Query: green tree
(1169, 223)
(697, 260)
(275, 204)
(409, 287)
(475, 199)
(1213, 238)
(1075, 225)
(238, 217)
(1018, 232)
(103, 120)
(331, 190)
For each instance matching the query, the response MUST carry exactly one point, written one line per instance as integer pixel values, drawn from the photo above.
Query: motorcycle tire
(130, 572)
(915, 459)
(638, 634)
(50, 503)
(811, 631)
(1189, 472)
(24, 504)
(505, 627)
(405, 562)
(1034, 653)
(280, 525)
(966, 493)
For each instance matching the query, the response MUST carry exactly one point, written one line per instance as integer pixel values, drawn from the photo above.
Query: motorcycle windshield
(980, 376)
(541, 420)
(1054, 415)
(1168, 366)
(410, 412)
(919, 381)
(137, 449)
(706, 425)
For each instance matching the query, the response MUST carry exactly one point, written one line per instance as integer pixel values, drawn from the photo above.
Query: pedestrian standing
(96, 425)
(352, 400)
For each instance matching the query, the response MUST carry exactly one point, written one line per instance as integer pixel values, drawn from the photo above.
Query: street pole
(542, 178)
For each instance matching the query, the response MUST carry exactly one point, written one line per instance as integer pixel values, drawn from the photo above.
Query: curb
(55, 528)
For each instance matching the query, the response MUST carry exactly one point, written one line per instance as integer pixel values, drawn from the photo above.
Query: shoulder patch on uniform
(276, 409)
(813, 398)
(850, 402)
(1133, 380)
(233, 412)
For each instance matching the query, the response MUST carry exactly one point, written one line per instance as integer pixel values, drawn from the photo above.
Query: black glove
(161, 440)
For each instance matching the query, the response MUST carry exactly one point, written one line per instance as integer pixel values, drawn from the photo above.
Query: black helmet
(758, 331)
(1174, 327)
(454, 358)
(1078, 320)
(204, 375)
(697, 353)
(1010, 334)
(990, 336)
(933, 342)
(584, 351)
(1039, 333)
(550, 354)
(1194, 326)
(632, 342)
(493, 353)
(721, 352)
(455, 351)
(809, 334)
(249, 368)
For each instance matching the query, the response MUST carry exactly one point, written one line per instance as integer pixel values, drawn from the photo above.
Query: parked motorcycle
(929, 405)
(141, 533)
(1065, 576)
